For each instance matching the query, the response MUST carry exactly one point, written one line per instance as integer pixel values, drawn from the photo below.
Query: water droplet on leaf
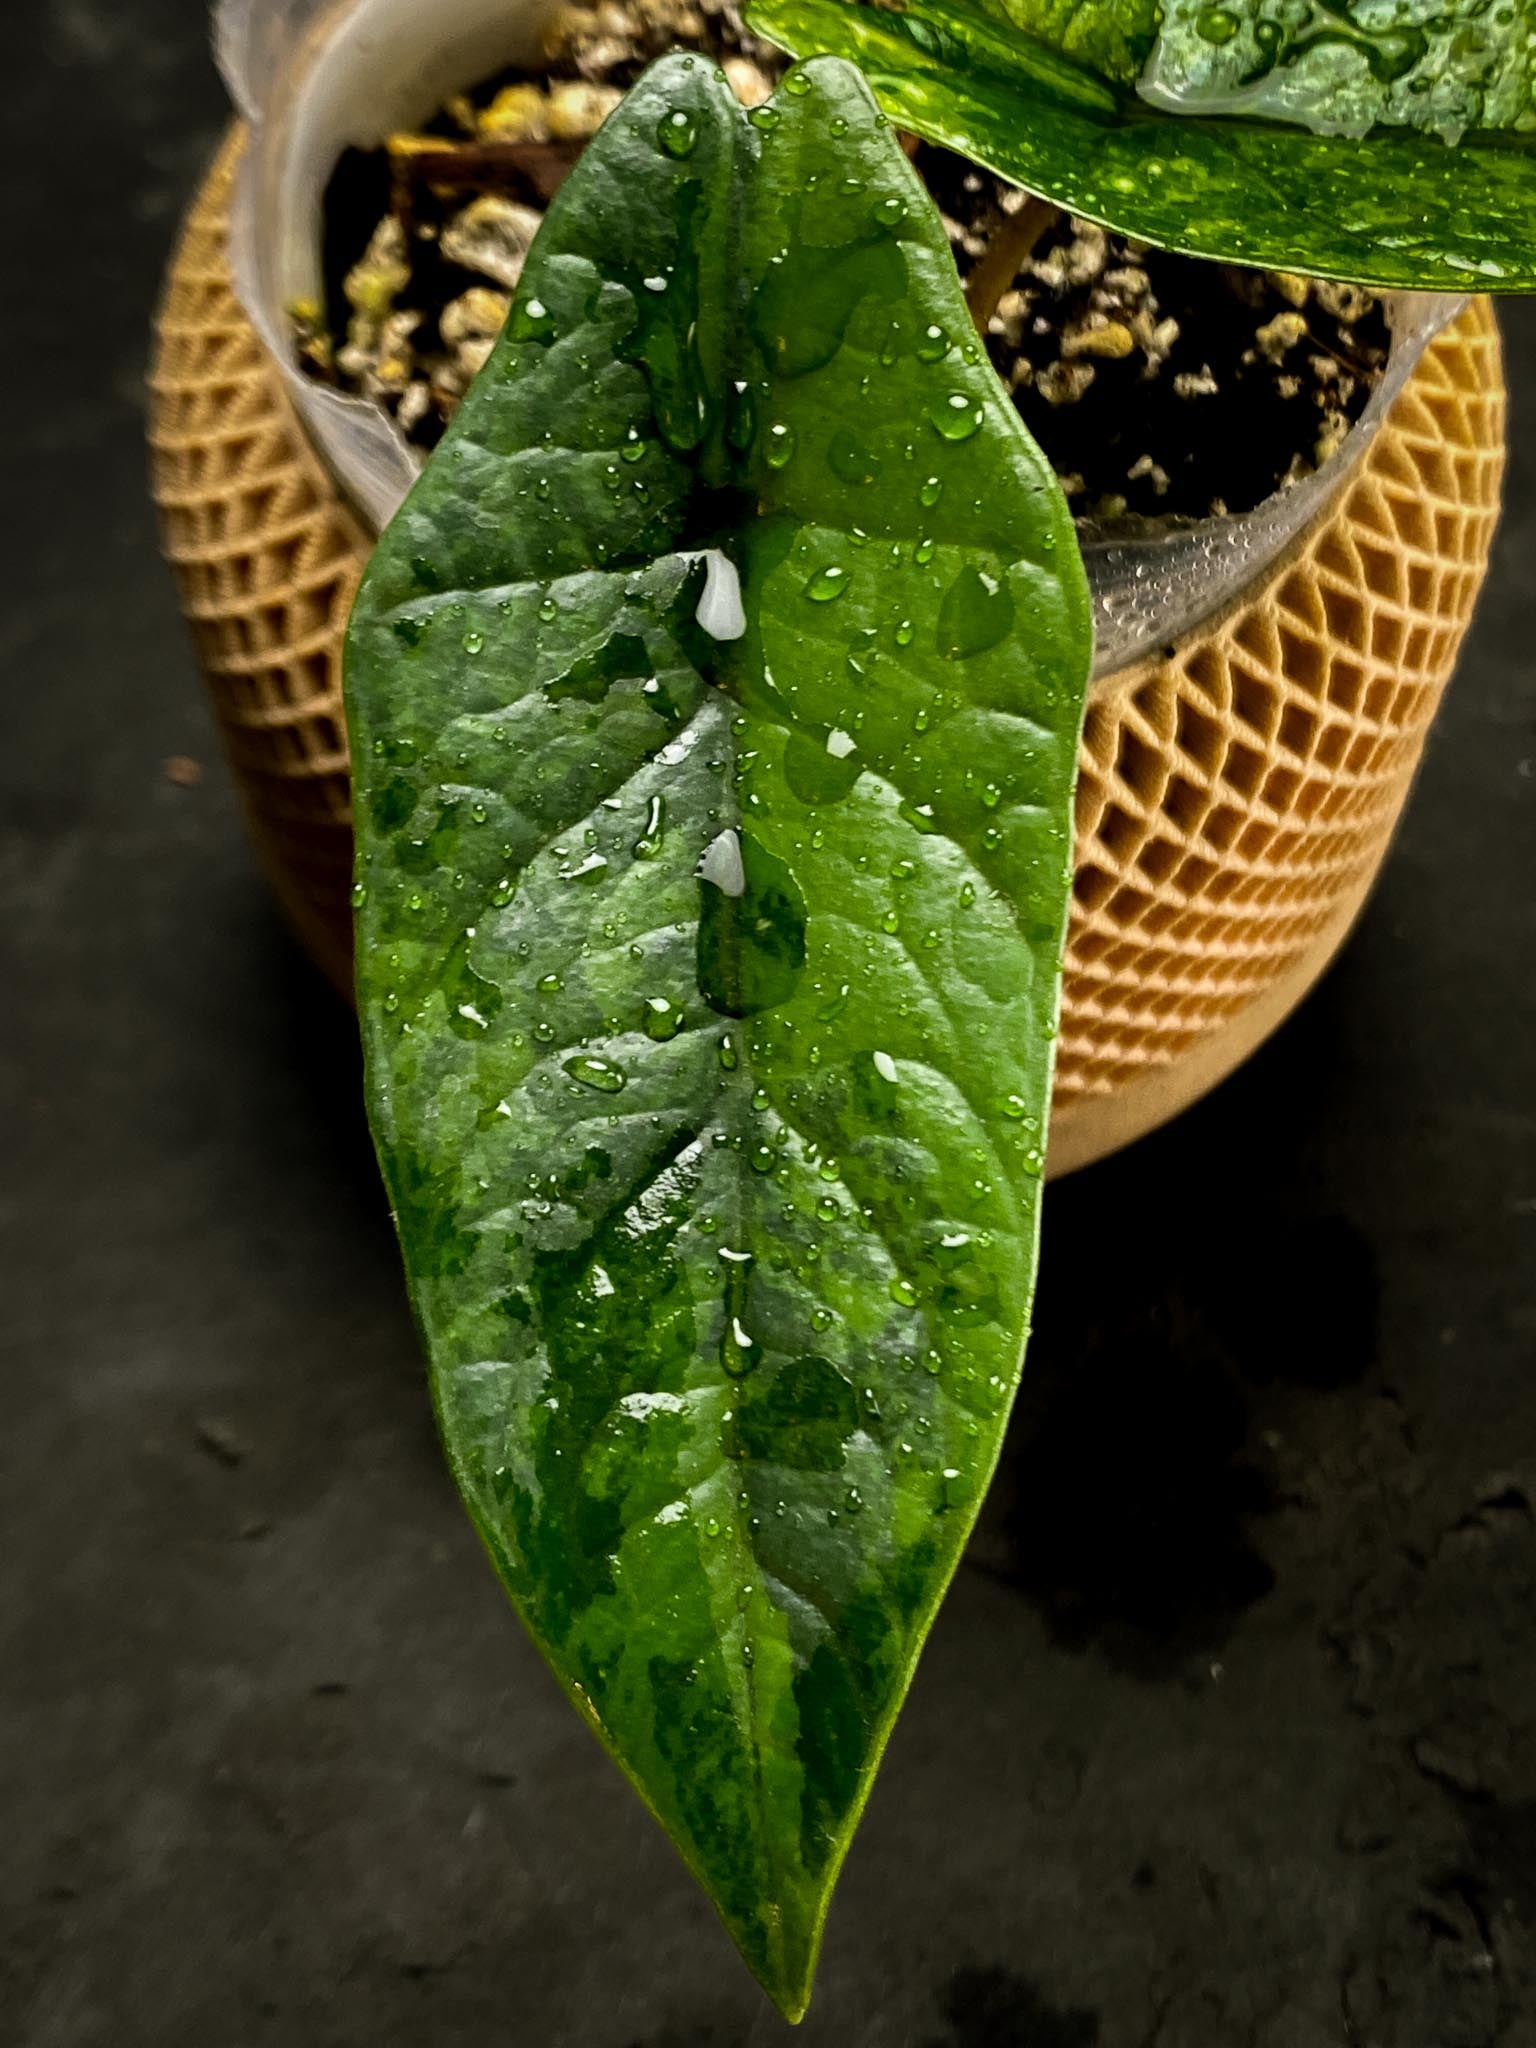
(975, 614)
(751, 941)
(827, 584)
(648, 846)
(532, 321)
(592, 1071)
(956, 416)
(1216, 25)
(677, 133)
(663, 1020)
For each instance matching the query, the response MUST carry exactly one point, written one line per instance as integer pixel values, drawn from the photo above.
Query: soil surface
(1158, 386)
(1227, 1734)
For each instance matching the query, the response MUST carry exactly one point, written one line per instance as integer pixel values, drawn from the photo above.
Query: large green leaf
(709, 984)
(1197, 134)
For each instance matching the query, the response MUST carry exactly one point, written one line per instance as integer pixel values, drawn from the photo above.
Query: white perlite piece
(719, 612)
(722, 864)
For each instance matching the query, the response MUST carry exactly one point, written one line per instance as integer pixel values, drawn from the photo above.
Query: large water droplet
(648, 845)
(472, 1002)
(876, 1085)
(663, 1020)
(975, 614)
(803, 304)
(532, 321)
(740, 416)
(957, 416)
(821, 773)
(677, 133)
(1216, 25)
(827, 583)
(751, 941)
(593, 1071)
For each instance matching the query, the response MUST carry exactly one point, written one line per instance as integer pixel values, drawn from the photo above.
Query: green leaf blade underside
(1053, 98)
(718, 1191)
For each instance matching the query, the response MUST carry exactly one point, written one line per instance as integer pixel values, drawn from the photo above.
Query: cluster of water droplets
(1345, 69)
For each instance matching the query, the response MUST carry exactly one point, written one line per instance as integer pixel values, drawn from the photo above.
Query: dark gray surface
(1227, 1736)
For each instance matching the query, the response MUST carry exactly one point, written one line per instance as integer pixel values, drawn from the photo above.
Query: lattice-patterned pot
(1238, 792)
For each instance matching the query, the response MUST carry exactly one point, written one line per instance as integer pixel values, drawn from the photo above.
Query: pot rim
(311, 76)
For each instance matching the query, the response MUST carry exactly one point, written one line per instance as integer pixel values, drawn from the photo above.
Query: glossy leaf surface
(1078, 103)
(709, 983)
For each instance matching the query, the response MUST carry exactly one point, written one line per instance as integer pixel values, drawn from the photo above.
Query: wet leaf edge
(1005, 114)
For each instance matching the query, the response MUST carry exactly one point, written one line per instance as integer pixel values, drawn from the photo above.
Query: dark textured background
(1226, 1737)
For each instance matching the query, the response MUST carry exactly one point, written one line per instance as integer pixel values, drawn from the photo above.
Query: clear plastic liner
(313, 77)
